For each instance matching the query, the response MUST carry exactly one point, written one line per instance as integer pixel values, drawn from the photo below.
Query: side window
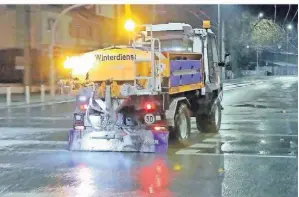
(215, 51)
(212, 51)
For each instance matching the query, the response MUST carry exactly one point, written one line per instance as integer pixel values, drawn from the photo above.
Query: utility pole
(220, 39)
(219, 33)
(287, 47)
(27, 46)
(53, 43)
(223, 48)
(257, 62)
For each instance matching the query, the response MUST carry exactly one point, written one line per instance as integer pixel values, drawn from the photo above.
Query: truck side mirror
(227, 54)
(221, 64)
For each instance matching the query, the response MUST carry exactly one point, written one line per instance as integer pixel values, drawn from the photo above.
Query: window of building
(50, 23)
(105, 10)
(56, 6)
(89, 31)
(11, 7)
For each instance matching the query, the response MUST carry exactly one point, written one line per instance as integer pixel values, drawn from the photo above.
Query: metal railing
(153, 81)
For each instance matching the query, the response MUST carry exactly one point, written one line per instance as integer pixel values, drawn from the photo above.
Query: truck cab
(181, 37)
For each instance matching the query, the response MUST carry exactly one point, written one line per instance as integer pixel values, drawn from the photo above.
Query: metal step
(143, 43)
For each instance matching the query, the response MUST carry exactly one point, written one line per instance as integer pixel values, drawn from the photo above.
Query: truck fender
(170, 113)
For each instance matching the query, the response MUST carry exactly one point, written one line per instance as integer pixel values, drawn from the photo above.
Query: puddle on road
(253, 106)
(249, 145)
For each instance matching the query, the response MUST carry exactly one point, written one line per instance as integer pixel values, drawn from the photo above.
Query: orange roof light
(206, 24)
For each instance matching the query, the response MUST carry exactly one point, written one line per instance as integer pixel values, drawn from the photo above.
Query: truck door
(214, 71)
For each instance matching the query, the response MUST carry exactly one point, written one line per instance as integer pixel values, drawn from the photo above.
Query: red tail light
(160, 128)
(83, 107)
(149, 106)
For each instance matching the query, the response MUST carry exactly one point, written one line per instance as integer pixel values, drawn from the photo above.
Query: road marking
(187, 152)
(6, 143)
(19, 194)
(77, 192)
(257, 120)
(38, 104)
(201, 145)
(30, 151)
(229, 133)
(32, 129)
(37, 118)
(196, 152)
(213, 140)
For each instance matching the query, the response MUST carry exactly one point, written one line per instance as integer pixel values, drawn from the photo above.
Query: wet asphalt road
(254, 155)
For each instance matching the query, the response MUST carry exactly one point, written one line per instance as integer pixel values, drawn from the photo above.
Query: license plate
(79, 119)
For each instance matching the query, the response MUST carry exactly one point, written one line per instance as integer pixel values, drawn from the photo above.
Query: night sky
(269, 10)
(186, 13)
(195, 14)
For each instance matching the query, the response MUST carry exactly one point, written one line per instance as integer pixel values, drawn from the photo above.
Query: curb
(226, 87)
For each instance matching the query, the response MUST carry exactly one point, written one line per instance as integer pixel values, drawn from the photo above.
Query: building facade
(26, 37)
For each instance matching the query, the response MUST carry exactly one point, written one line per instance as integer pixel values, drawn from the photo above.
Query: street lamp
(261, 15)
(247, 46)
(290, 27)
(130, 25)
(52, 44)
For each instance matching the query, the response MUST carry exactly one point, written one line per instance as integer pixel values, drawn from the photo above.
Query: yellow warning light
(206, 24)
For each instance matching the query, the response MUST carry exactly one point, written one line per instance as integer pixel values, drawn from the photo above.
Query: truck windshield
(176, 45)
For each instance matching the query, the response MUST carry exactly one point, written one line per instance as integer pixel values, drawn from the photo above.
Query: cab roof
(167, 27)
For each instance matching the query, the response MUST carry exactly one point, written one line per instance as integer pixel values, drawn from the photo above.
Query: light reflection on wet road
(255, 153)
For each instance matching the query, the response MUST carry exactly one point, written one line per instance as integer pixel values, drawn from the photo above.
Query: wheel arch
(173, 107)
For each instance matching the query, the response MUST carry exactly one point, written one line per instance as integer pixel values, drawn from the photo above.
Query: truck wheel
(209, 123)
(182, 129)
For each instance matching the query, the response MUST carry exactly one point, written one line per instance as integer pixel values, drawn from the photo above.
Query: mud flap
(74, 142)
(154, 142)
(71, 139)
(161, 141)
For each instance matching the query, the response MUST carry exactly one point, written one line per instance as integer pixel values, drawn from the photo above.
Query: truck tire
(209, 123)
(182, 128)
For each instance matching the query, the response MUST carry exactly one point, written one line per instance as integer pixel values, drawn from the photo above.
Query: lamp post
(53, 37)
(257, 59)
(130, 27)
(257, 62)
(289, 28)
